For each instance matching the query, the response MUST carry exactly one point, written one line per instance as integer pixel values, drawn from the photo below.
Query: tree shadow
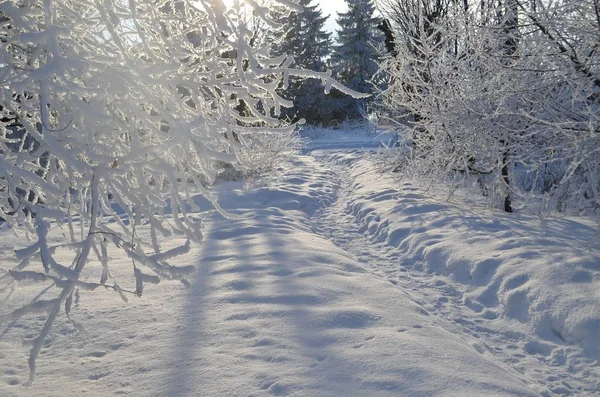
(249, 319)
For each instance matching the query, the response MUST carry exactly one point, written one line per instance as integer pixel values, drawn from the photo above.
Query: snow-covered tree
(413, 25)
(510, 100)
(304, 35)
(114, 114)
(357, 51)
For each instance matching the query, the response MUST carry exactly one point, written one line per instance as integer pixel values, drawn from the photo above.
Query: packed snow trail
(368, 234)
(290, 299)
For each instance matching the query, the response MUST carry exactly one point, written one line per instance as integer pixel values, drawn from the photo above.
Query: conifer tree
(305, 36)
(356, 54)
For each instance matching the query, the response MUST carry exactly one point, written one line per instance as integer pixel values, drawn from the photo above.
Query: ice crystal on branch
(113, 114)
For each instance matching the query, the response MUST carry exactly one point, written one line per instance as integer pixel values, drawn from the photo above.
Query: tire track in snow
(529, 358)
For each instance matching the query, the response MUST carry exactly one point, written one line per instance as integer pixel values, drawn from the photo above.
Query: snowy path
(286, 312)
(300, 296)
(438, 295)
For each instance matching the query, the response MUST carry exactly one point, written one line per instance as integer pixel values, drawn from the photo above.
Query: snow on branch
(112, 114)
(502, 97)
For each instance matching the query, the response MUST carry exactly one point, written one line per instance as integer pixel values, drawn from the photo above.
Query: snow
(345, 135)
(332, 280)
(527, 290)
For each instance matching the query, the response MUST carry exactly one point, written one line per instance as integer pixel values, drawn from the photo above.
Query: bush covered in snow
(505, 93)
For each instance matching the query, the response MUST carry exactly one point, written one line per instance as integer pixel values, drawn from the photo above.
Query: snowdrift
(544, 276)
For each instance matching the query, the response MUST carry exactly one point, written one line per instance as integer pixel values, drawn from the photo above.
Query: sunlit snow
(332, 281)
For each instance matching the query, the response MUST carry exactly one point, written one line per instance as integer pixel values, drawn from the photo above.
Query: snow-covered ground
(335, 281)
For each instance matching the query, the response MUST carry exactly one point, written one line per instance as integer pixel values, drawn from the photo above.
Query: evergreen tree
(305, 37)
(356, 54)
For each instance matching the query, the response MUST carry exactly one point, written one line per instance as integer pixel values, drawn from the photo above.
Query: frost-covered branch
(490, 91)
(113, 114)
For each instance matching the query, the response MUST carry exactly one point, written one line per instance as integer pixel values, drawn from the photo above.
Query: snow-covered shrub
(491, 91)
(113, 114)
(261, 153)
(265, 151)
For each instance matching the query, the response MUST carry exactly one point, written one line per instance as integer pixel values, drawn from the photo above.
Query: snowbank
(545, 278)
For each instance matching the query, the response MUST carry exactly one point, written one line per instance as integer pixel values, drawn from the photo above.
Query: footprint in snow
(263, 342)
(535, 347)
(117, 346)
(239, 285)
(97, 354)
(516, 281)
(281, 272)
(582, 277)
(98, 376)
(349, 319)
(277, 389)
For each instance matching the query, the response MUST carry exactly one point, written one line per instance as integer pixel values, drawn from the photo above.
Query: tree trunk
(511, 23)
(506, 180)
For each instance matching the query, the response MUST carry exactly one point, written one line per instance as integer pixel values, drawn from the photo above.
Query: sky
(331, 8)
